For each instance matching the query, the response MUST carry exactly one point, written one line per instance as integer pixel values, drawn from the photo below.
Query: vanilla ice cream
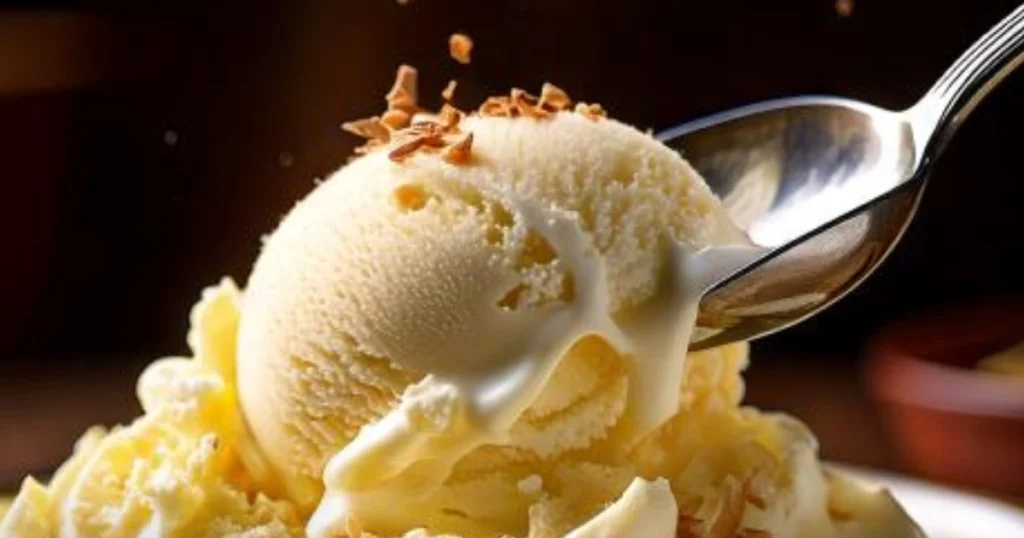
(477, 329)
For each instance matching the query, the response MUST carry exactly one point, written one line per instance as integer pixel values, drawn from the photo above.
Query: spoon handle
(937, 116)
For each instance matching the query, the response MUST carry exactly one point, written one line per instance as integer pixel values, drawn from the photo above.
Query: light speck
(285, 159)
(844, 8)
(170, 137)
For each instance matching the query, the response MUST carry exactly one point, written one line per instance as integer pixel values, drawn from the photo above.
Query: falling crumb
(459, 152)
(844, 8)
(460, 46)
(170, 138)
(449, 91)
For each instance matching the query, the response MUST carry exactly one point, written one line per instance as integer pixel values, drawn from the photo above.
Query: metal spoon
(825, 187)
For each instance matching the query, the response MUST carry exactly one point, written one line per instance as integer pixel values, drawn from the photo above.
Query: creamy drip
(403, 457)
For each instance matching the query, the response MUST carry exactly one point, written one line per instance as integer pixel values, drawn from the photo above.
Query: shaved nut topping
(553, 98)
(370, 128)
(405, 134)
(396, 119)
(593, 111)
(449, 118)
(459, 152)
(459, 47)
(403, 94)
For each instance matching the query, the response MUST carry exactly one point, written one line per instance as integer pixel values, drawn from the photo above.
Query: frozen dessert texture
(476, 329)
(184, 469)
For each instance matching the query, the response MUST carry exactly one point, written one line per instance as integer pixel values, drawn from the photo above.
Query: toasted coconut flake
(527, 104)
(370, 128)
(449, 91)
(459, 152)
(396, 119)
(593, 111)
(459, 47)
(553, 98)
(495, 106)
(405, 149)
(450, 118)
(403, 94)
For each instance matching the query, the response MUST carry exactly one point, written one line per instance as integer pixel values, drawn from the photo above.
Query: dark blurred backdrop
(145, 147)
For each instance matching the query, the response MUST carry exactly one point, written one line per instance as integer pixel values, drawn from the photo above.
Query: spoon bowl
(824, 187)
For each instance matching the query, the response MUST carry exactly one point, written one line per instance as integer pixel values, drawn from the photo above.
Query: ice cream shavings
(728, 516)
(459, 47)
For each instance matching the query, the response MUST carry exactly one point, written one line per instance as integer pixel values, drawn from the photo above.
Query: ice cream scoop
(494, 343)
(431, 302)
(826, 186)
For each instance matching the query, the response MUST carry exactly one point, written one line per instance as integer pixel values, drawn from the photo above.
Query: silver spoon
(825, 187)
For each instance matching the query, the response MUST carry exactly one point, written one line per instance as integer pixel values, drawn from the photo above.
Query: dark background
(187, 128)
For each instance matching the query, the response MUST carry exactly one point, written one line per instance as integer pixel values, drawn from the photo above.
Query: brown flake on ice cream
(593, 111)
(460, 151)
(404, 94)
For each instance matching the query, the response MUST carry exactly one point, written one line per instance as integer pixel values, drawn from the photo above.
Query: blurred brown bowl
(949, 421)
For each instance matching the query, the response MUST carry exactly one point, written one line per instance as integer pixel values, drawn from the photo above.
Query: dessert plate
(944, 512)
